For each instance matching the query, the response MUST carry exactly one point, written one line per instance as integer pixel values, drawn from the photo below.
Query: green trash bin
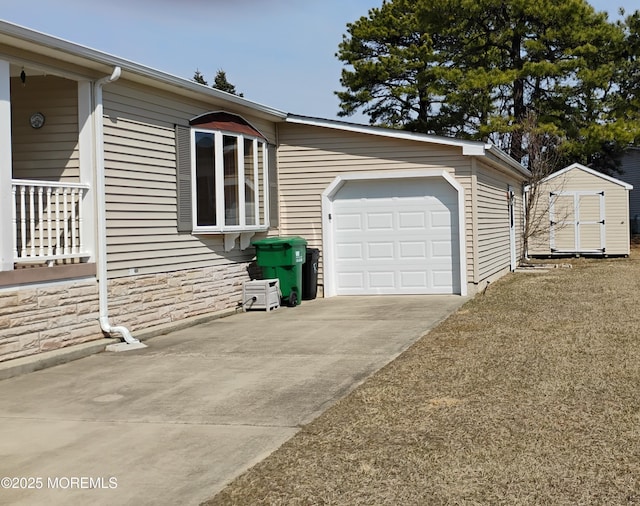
(282, 258)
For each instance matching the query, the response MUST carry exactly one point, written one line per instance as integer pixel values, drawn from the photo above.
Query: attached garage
(581, 211)
(389, 234)
(395, 212)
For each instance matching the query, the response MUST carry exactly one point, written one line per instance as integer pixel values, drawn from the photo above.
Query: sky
(279, 53)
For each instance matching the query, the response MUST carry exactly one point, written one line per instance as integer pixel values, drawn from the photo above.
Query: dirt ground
(530, 394)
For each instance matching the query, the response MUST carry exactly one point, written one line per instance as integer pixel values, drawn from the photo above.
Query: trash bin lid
(293, 240)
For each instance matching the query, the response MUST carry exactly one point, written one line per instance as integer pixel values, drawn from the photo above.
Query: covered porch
(47, 217)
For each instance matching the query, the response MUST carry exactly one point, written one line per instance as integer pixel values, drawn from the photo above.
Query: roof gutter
(512, 162)
(102, 215)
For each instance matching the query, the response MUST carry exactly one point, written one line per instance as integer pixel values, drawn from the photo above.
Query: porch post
(6, 199)
(88, 226)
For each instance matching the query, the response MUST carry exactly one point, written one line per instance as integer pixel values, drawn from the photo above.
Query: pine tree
(199, 78)
(476, 69)
(221, 83)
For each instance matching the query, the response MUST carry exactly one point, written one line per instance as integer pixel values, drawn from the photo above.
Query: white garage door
(396, 236)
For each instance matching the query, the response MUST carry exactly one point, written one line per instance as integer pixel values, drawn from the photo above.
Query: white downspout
(101, 211)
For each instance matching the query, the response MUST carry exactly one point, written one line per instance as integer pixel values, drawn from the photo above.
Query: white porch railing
(47, 220)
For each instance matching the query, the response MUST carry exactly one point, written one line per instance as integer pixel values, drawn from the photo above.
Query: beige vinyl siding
(494, 253)
(309, 159)
(520, 217)
(464, 176)
(51, 152)
(153, 107)
(141, 193)
(616, 206)
(539, 243)
(616, 202)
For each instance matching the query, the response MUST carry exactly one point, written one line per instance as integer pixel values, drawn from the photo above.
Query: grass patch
(529, 394)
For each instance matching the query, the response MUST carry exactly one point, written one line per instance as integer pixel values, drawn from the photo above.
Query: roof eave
(129, 67)
(512, 162)
(469, 148)
(589, 170)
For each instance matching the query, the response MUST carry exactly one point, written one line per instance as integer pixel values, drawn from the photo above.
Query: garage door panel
(412, 250)
(348, 222)
(379, 221)
(405, 239)
(349, 251)
(442, 279)
(351, 281)
(441, 250)
(441, 219)
(412, 220)
(414, 279)
(382, 280)
(402, 188)
(380, 251)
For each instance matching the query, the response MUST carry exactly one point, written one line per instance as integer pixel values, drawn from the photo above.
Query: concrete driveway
(173, 423)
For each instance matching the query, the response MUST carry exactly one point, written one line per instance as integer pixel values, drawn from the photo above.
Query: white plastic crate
(261, 294)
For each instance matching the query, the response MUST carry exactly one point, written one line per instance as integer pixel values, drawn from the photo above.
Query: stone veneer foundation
(39, 318)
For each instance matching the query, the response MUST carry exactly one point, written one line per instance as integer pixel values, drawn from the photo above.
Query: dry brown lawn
(530, 394)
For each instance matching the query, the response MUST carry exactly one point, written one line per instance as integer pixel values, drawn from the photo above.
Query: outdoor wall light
(37, 120)
(23, 77)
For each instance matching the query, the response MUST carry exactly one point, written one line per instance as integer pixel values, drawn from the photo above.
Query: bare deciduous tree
(542, 159)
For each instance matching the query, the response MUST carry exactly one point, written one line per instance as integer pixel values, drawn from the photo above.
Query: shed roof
(588, 170)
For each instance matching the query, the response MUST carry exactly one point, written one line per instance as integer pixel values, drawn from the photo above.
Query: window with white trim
(226, 165)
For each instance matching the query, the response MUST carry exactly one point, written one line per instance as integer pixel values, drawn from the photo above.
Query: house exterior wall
(141, 191)
(155, 274)
(139, 302)
(616, 205)
(493, 223)
(35, 319)
(51, 152)
(311, 157)
(172, 274)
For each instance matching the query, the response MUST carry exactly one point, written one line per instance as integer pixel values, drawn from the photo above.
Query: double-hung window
(229, 175)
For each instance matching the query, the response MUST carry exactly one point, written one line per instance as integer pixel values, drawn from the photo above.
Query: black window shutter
(183, 165)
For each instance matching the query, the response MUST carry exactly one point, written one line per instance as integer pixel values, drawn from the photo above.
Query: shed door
(396, 236)
(577, 222)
